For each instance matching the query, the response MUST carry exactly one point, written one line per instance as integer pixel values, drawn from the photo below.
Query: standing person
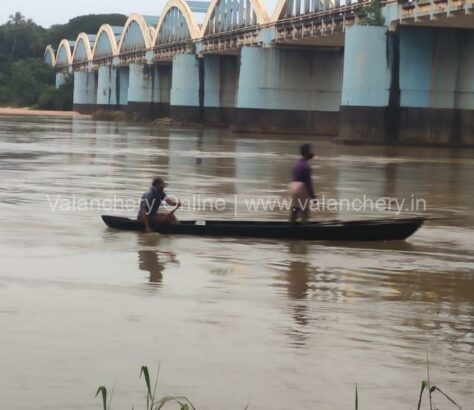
(301, 187)
(150, 203)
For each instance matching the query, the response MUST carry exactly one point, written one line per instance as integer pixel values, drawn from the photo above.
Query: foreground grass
(153, 403)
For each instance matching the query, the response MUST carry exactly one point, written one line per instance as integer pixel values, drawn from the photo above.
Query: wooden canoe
(363, 230)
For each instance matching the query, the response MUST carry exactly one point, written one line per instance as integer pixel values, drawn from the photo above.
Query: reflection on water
(148, 260)
(151, 260)
(298, 277)
(276, 324)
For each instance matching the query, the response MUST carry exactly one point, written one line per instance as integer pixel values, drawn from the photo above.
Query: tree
(16, 18)
(24, 78)
(60, 98)
(20, 38)
(374, 15)
(29, 79)
(88, 24)
(16, 21)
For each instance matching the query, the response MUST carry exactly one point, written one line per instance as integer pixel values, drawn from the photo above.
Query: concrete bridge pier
(140, 91)
(295, 90)
(187, 93)
(436, 86)
(220, 88)
(122, 86)
(161, 90)
(61, 78)
(365, 112)
(85, 91)
(107, 87)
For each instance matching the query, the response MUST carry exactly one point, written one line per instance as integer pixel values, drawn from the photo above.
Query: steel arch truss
(135, 40)
(82, 54)
(176, 31)
(49, 56)
(230, 24)
(105, 47)
(229, 15)
(64, 54)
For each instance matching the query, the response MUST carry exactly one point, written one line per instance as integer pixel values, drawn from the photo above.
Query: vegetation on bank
(155, 403)
(109, 115)
(152, 401)
(25, 80)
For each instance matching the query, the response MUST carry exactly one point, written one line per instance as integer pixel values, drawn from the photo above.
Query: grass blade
(103, 391)
(429, 381)
(184, 403)
(111, 395)
(357, 399)
(144, 371)
(445, 395)
(423, 385)
(156, 383)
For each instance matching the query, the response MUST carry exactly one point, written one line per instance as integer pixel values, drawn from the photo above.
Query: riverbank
(31, 112)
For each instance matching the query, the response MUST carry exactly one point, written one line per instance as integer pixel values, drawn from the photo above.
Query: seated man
(150, 203)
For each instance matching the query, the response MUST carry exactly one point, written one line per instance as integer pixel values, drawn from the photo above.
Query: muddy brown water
(276, 324)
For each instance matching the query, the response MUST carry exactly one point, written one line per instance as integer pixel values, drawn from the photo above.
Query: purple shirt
(151, 201)
(302, 173)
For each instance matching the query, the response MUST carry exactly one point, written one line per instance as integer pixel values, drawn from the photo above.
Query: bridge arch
(226, 15)
(152, 32)
(106, 42)
(49, 56)
(278, 13)
(135, 35)
(64, 54)
(82, 49)
(176, 23)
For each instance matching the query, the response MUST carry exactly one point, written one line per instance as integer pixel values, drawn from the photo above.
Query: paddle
(167, 217)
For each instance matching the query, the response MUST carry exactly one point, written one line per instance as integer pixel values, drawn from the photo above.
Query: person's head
(158, 183)
(306, 151)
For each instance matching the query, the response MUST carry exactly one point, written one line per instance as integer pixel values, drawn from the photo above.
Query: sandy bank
(27, 111)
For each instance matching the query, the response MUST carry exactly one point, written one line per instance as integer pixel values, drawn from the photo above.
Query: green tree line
(25, 80)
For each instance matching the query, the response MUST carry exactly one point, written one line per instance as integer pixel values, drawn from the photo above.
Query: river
(272, 324)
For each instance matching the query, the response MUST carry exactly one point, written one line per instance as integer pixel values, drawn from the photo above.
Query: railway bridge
(364, 71)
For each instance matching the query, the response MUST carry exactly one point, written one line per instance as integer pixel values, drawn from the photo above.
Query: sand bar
(27, 111)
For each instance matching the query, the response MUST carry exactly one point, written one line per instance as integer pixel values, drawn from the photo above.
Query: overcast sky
(48, 12)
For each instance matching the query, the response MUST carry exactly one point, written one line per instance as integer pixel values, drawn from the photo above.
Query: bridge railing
(418, 10)
(296, 8)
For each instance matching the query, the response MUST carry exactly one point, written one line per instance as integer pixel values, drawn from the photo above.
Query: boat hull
(368, 230)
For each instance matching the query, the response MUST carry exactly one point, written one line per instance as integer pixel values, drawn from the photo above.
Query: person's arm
(144, 210)
(172, 202)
